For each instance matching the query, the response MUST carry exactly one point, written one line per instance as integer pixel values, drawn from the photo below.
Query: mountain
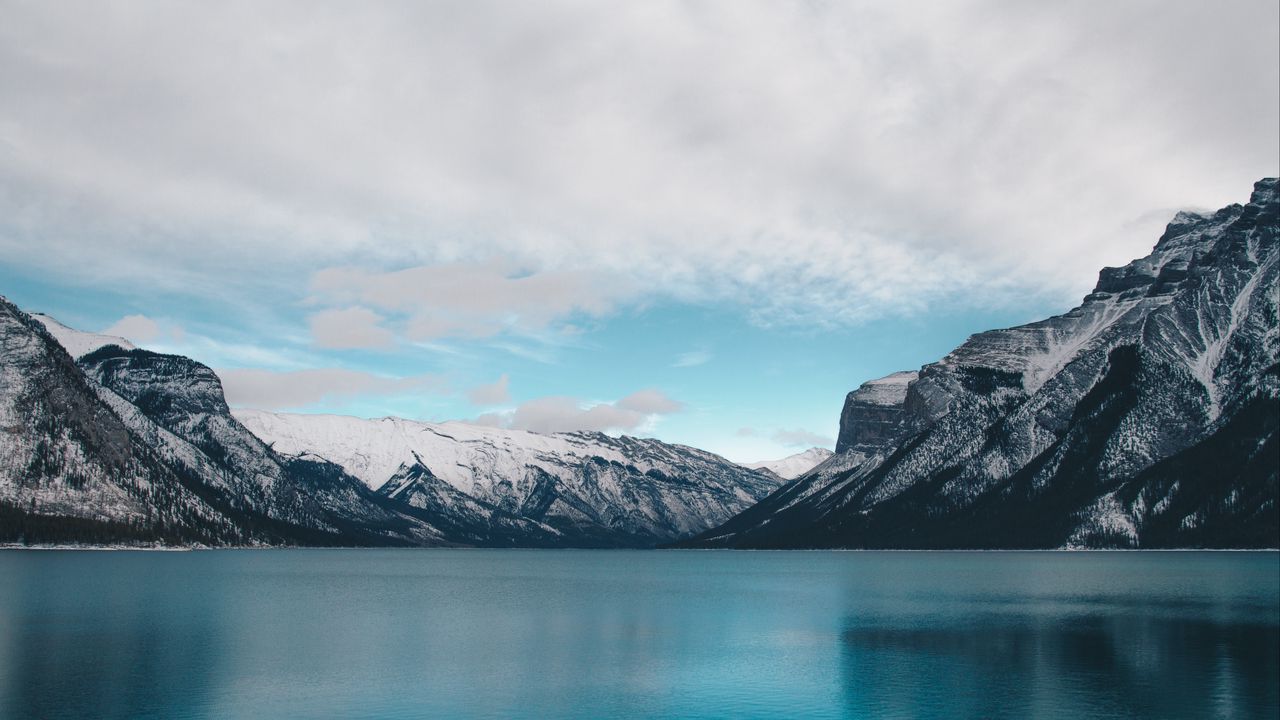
(127, 446)
(104, 442)
(1145, 417)
(792, 466)
(579, 489)
(72, 469)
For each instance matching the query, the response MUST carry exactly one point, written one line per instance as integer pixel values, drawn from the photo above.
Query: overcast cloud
(814, 163)
(753, 205)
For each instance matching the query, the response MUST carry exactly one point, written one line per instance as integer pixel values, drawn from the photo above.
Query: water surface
(589, 634)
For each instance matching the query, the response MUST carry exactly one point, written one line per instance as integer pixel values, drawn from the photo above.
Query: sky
(704, 222)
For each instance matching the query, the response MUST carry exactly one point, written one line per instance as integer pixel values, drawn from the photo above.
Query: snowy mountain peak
(76, 342)
(793, 466)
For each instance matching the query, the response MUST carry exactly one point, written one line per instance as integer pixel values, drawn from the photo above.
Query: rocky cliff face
(873, 415)
(1145, 417)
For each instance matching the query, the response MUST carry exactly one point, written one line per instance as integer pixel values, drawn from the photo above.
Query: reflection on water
(337, 633)
(1086, 666)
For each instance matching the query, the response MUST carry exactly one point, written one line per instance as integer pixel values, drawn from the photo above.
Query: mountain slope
(793, 466)
(584, 488)
(1146, 417)
(71, 468)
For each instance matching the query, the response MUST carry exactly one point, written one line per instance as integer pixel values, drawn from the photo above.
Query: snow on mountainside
(793, 466)
(591, 488)
(76, 342)
(184, 398)
(1145, 417)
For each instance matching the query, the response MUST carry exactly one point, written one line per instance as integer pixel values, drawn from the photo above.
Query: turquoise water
(590, 634)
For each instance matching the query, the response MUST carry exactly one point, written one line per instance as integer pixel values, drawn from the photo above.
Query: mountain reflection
(140, 646)
(1064, 667)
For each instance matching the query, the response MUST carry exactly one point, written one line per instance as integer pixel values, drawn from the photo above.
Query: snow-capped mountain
(184, 398)
(793, 466)
(1145, 417)
(582, 488)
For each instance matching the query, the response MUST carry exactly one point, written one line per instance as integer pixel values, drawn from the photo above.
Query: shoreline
(201, 548)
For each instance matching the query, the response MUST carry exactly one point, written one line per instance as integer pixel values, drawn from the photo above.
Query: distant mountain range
(1145, 417)
(564, 488)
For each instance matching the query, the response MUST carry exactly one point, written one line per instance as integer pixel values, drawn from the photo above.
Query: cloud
(142, 330)
(692, 359)
(566, 414)
(349, 328)
(471, 300)
(137, 328)
(813, 163)
(275, 390)
(746, 432)
(493, 394)
(801, 438)
(649, 402)
(492, 419)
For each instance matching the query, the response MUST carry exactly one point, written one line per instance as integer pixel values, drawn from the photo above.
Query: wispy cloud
(495, 393)
(692, 358)
(468, 300)
(537, 353)
(801, 438)
(297, 389)
(635, 412)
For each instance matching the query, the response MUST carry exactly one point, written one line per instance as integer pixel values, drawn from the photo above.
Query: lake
(590, 634)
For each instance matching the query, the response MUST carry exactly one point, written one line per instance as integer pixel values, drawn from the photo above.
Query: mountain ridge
(590, 486)
(1080, 430)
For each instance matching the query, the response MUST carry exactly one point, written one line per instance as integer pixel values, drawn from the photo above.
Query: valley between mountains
(1146, 417)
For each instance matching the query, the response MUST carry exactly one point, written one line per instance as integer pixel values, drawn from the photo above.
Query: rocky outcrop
(874, 415)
